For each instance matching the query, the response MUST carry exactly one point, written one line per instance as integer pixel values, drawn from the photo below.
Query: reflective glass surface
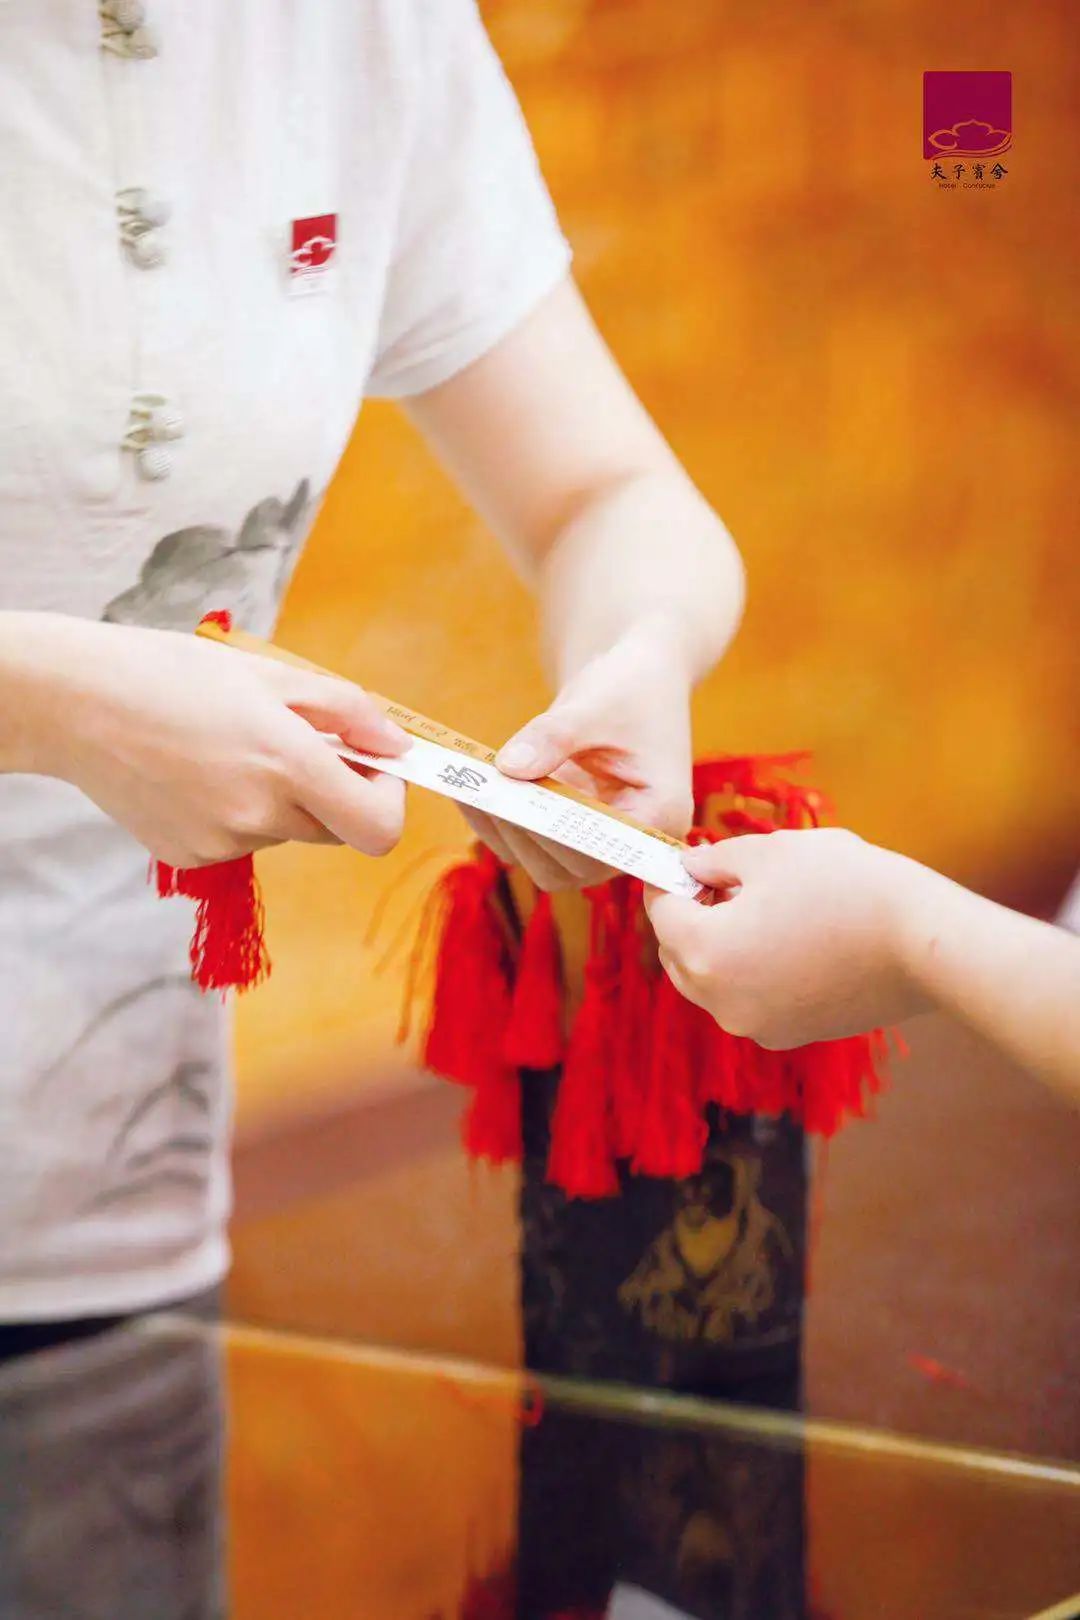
(173, 1470)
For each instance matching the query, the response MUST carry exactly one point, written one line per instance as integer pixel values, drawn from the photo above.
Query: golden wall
(872, 379)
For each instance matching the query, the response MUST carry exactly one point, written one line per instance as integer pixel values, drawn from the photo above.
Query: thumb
(681, 926)
(727, 864)
(539, 748)
(348, 712)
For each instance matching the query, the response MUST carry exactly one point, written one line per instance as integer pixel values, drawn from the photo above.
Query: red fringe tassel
(672, 1133)
(582, 1159)
(228, 951)
(630, 1053)
(534, 1035)
(471, 1008)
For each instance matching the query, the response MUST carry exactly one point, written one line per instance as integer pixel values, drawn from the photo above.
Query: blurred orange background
(874, 381)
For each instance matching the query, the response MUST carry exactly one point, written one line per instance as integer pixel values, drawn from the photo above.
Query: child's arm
(824, 935)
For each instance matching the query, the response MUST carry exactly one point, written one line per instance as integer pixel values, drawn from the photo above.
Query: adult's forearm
(648, 551)
(555, 451)
(1015, 980)
(27, 703)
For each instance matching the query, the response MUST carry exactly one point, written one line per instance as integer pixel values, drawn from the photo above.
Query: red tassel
(763, 780)
(534, 1035)
(723, 1079)
(838, 1078)
(741, 821)
(673, 1129)
(228, 951)
(491, 1129)
(471, 1010)
(471, 997)
(630, 1057)
(582, 1156)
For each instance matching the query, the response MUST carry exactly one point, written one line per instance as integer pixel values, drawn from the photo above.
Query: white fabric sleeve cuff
(446, 358)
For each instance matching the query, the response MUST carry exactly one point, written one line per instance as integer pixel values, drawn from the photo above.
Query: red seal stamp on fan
(312, 253)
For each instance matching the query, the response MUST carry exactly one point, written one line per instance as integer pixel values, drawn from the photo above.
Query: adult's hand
(202, 752)
(619, 730)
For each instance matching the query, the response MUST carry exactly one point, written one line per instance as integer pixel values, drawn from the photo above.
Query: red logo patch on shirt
(311, 253)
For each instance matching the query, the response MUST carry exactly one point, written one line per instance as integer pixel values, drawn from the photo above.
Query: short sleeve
(478, 243)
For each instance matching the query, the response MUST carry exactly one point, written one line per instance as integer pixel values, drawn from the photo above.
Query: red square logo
(314, 242)
(967, 115)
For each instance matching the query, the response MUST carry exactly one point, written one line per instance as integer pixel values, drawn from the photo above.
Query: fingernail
(696, 858)
(517, 756)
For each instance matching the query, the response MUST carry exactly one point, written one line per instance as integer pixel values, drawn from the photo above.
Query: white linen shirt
(395, 117)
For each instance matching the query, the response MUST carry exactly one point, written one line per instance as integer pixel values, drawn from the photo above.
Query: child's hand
(809, 943)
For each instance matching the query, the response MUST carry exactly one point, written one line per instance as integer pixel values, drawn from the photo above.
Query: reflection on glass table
(174, 1471)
